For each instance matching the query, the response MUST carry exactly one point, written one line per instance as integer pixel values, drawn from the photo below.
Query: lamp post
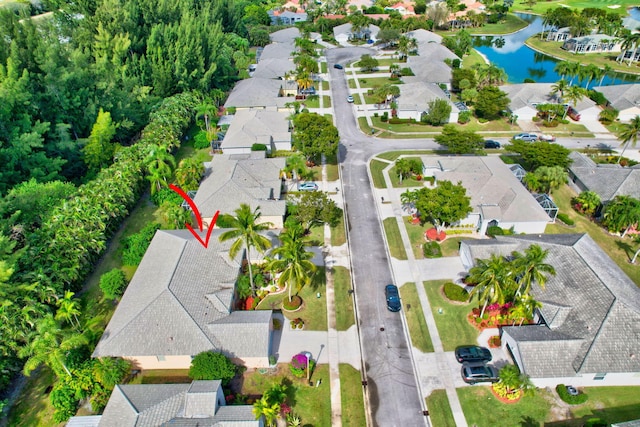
(308, 356)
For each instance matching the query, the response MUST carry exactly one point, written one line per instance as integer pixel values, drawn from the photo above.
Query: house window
(599, 376)
(160, 358)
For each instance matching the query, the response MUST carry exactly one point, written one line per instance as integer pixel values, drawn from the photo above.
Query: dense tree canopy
(460, 141)
(540, 153)
(315, 135)
(441, 206)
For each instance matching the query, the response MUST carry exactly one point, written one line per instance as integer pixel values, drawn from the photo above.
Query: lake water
(521, 62)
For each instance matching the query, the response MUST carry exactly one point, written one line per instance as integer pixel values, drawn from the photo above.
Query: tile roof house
(435, 52)
(180, 303)
(287, 35)
(497, 196)
(273, 68)
(525, 96)
(425, 36)
(415, 96)
(624, 98)
(342, 33)
(257, 93)
(251, 178)
(277, 51)
(606, 180)
(588, 328)
(199, 404)
(271, 128)
(429, 70)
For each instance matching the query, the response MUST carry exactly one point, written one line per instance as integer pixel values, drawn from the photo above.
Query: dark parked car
(337, 66)
(528, 137)
(573, 113)
(393, 297)
(472, 353)
(478, 373)
(489, 143)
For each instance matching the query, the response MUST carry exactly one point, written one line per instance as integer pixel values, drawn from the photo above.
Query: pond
(521, 62)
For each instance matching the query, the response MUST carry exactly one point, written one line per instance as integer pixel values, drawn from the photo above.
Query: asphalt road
(392, 389)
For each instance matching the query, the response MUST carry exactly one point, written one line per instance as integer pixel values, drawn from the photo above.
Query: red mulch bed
(432, 234)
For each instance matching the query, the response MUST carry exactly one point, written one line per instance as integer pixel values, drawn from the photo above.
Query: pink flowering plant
(298, 365)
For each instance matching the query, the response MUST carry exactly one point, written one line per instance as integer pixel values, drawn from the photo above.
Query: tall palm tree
(493, 278)
(531, 268)
(630, 41)
(622, 213)
(565, 68)
(68, 309)
(607, 69)
(292, 260)
(573, 95)
(629, 133)
(159, 163)
(245, 228)
(558, 88)
(49, 345)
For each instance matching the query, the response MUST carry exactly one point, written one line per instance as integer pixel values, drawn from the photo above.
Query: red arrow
(196, 212)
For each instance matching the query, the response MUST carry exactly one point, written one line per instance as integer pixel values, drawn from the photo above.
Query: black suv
(472, 353)
(489, 143)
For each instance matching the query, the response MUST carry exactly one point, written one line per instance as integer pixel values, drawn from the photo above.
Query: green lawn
(620, 250)
(351, 398)
(338, 234)
(364, 125)
(510, 25)
(343, 300)
(373, 82)
(482, 409)
(598, 59)
(393, 155)
(33, 407)
(323, 67)
(475, 126)
(312, 404)
(472, 59)
(439, 409)
(612, 404)
(325, 85)
(453, 328)
(405, 183)
(418, 330)
(541, 7)
(396, 248)
(162, 376)
(314, 309)
(377, 167)
(416, 236)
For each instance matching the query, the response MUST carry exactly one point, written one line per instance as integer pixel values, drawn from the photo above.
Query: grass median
(394, 240)
(418, 330)
(439, 409)
(345, 317)
(351, 398)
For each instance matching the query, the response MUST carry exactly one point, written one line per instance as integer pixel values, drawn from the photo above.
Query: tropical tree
(245, 228)
(50, 344)
(559, 87)
(490, 75)
(606, 70)
(394, 69)
(270, 411)
(630, 41)
(513, 380)
(628, 134)
(574, 94)
(159, 163)
(406, 45)
(567, 68)
(621, 214)
(292, 260)
(550, 177)
(494, 278)
(524, 307)
(68, 309)
(530, 268)
(587, 202)
(188, 174)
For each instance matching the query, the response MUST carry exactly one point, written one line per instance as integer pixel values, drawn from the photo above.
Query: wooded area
(94, 99)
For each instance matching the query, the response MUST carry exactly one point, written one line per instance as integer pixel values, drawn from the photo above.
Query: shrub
(597, 97)
(565, 218)
(431, 250)
(113, 283)
(200, 140)
(210, 365)
(561, 389)
(63, 399)
(298, 365)
(272, 360)
(385, 116)
(529, 80)
(166, 195)
(608, 115)
(258, 147)
(455, 292)
(136, 245)
(535, 119)
(455, 63)
(464, 117)
(494, 230)
(406, 72)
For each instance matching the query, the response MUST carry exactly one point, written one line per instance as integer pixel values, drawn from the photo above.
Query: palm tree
(292, 260)
(406, 45)
(622, 213)
(513, 380)
(593, 73)
(629, 42)
(607, 69)
(245, 227)
(270, 411)
(551, 177)
(573, 95)
(304, 81)
(524, 307)
(566, 68)
(159, 163)
(589, 201)
(559, 87)
(188, 174)
(531, 268)
(68, 309)
(394, 69)
(50, 344)
(493, 277)
(629, 133)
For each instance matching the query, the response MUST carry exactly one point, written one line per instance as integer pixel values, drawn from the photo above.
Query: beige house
(249, 127)
(180, 303)
(251, 178)
(624, 98)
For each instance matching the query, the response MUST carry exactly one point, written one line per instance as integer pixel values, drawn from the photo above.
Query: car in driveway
(528, 137)
(478, 372)
(338, 66)
(393, 297)
(573, 113)
(350, 98)
(307, 186)
(472, 353)
(490, 143)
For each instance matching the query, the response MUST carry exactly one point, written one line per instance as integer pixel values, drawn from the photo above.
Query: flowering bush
(503, 391)
(298, 365)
